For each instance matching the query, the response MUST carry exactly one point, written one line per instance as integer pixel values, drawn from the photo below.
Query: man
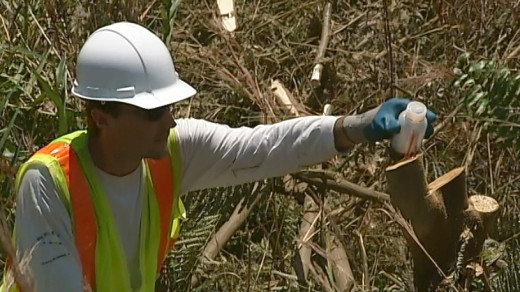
(100, 209)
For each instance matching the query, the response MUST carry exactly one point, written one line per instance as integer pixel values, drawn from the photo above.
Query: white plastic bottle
(413, 126)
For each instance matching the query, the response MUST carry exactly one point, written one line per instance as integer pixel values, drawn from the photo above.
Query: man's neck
(110, 159)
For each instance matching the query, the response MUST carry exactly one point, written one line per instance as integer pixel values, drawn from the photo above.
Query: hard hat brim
(180, 90)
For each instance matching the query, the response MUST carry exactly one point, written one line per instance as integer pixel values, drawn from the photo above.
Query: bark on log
(407, 187)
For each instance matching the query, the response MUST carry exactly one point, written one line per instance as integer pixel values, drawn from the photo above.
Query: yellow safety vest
(103, 262)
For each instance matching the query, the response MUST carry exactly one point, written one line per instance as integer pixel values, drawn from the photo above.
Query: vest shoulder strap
(62, 162)
(81, 208)
(166, 176)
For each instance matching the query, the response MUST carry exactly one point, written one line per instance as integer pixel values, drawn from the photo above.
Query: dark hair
(111, 108)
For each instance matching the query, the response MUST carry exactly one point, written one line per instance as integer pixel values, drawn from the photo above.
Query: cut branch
(227, 14)
(286, 99)
(346, 187)
(324, 42)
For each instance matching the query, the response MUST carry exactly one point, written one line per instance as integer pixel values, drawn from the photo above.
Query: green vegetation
(476, 97)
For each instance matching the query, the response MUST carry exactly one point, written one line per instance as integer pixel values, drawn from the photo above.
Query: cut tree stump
(439, 213)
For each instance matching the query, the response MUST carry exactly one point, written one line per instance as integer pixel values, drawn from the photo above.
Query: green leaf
(58, 102)
(476, 68)
(7, 130)
(463, 60)
(61, 73)
(460, 80)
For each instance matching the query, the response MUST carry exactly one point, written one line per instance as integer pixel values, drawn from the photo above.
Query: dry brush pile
(375, 50)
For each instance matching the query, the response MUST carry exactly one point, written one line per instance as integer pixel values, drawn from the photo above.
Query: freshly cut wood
(316, 75)
(452, 187)
(284, 97)
(484, 204)
(327, 109)
(227, 14)
(487, 207)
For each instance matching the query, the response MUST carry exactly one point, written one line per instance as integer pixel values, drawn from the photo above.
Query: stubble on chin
(157, 153)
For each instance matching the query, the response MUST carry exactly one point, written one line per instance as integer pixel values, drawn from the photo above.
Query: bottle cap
(415, 111)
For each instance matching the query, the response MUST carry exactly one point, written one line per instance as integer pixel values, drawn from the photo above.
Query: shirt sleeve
(44, 237)
(216, 155)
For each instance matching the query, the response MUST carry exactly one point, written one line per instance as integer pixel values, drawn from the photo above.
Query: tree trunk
(439, 213)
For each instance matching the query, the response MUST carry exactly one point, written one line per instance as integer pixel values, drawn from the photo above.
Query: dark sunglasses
(154, 114)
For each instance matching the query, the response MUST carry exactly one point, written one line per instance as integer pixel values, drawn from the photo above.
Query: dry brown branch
(310, 216)
(223, 235)
(337, 258)
(252, 83)
(324, 41)
(338, 261)
(346, 187)
(320, 277)
(392, 76)
(18, 268)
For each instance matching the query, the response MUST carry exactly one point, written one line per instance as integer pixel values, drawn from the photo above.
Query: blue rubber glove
(382, 122)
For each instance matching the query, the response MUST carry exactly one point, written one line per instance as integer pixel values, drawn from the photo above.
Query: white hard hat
(127, 63)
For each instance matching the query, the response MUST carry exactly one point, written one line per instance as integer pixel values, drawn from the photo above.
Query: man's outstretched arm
(216, 155)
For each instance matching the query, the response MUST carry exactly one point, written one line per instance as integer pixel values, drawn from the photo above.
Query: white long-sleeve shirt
(213, 155)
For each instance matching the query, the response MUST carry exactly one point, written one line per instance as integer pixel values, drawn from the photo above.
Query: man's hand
(376, 124)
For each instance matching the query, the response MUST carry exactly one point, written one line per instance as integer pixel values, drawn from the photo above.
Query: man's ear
(100, 118)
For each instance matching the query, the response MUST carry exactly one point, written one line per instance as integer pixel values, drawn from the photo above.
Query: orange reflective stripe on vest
(83, 214)
(84, 217)
(161, 171)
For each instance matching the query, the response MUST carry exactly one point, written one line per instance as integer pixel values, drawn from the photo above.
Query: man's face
(140, 132)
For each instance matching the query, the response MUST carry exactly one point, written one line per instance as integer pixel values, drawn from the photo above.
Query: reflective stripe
(179, 212)
(161, 172)
(82, 210)
(84, 219)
